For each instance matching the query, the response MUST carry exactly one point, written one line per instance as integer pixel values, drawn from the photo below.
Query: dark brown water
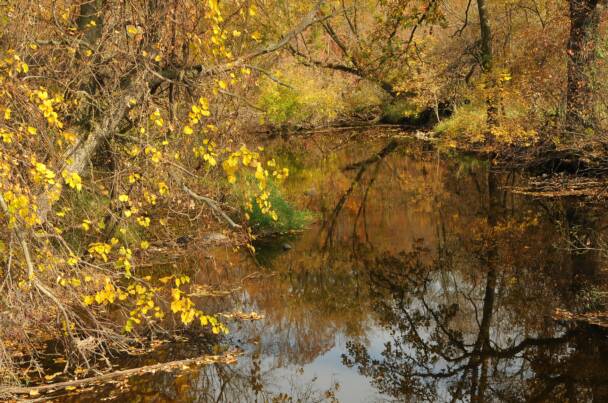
(422, 279)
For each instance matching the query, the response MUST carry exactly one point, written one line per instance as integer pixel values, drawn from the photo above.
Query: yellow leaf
(132, 30)
(51, 377)
(162, 188)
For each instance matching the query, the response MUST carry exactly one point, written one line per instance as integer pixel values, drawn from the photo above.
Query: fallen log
(599, 319)
(228, 358)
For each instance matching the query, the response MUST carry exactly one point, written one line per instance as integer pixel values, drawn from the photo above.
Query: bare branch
(212, 204)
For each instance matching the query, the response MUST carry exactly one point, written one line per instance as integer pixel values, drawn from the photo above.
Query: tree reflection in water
(454, 339)
(468, 309)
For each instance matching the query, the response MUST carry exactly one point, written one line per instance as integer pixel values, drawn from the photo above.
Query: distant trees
(369, 41)
(526, 56)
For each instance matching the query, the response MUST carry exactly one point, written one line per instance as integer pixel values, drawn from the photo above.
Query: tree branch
(213, 205)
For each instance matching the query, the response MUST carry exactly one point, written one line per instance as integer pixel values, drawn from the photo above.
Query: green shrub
(289, 217)
(469, 124)
(363, 96)
(280, 103)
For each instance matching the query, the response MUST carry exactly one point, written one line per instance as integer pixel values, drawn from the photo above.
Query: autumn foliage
(119, 120)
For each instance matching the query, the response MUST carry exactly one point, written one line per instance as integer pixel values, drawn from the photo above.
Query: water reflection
(453, 339)
(423, 280)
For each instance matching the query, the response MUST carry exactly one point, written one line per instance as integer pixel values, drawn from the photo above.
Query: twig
(245, 100)
(268, 74)
(199, 70)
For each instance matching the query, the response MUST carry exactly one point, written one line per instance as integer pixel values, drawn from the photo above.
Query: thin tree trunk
(486, 36)
(487, 60)
(584, 23)
(479, 357)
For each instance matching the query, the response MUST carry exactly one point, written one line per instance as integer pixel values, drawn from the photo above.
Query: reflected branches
(361, 167)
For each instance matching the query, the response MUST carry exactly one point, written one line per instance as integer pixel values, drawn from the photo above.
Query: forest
(205, 200)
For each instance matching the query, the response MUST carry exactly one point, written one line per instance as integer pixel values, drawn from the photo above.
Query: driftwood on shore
(563, 186)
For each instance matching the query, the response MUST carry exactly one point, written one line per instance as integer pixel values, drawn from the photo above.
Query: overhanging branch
(197, 71)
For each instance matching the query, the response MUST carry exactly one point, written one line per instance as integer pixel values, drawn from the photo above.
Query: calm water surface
(422, 279)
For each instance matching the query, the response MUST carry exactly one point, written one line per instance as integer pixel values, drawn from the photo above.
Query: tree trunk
(487, 60)
(486, 36)
(480, 354)
(584, 23)
(82, 152)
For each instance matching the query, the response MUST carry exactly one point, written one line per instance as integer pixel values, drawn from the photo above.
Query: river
(421, 278)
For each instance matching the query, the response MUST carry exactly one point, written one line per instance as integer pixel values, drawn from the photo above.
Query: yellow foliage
(72, 179)
(100, 249)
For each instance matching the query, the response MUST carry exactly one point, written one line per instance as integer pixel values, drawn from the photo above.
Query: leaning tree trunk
(584, 23)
